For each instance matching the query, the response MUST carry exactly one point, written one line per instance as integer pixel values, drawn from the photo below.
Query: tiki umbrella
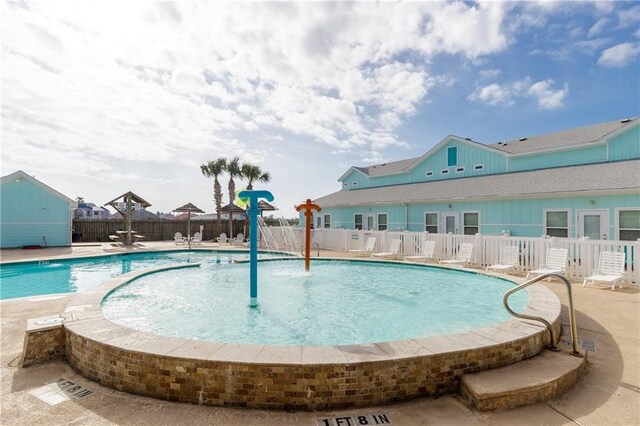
(264, 207)
(188, 208)
(231, 209)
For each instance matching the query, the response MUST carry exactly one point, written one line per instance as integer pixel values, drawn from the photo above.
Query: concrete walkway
(609, 394)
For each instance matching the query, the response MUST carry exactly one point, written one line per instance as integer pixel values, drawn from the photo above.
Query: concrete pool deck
(608, 321)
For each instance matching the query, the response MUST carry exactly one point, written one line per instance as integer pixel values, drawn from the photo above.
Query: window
(478, 167)
(429, 173)
(471, 223)
(355, 184)
(444, 171)
(452, 156)
(327, 221)
(557, 223)
(629, 225)
(460, 170)
(318, 222)
(357, 221)
(346, 184)
(431, 222)
(382, 221)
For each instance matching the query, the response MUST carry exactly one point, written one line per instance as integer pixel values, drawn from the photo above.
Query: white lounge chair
(178, 238)
(238, 240)
(507, 259)
(393, 250)
(196, 239)
(610, 269)
(368, 248)
(428, 248)
(463, 256)
(556, 263)
(222, 239)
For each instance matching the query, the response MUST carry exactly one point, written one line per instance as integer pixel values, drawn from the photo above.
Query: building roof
(563, 139)
(20, 175)
(597, 133)
(623, 176)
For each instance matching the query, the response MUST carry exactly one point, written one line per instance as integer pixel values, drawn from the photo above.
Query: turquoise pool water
(339, 302)
(68, 276)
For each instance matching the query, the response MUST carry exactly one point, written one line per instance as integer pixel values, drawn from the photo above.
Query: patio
(608, 394)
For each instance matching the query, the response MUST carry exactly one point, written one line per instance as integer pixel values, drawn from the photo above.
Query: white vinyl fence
(583, 254)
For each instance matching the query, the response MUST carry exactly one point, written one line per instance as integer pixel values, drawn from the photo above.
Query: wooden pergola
(124, 204)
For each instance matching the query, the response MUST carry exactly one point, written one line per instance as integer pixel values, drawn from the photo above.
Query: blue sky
(99, 98)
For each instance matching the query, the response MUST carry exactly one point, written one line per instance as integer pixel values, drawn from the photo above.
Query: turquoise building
(32, 213)
(582, 182)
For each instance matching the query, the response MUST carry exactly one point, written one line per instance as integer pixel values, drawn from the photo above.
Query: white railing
(583, 254)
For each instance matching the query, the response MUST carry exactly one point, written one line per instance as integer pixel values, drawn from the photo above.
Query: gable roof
(20, 175)
(594, 134)
(597, 133)
(623, 176)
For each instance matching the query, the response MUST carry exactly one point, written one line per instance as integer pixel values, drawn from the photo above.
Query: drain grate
(59, 391)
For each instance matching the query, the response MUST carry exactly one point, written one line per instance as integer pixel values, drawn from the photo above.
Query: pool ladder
(572, 314)
(316, 245)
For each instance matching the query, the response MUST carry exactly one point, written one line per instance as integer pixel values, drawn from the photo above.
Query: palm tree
(235, 171)
(253, 173)
(214, 169)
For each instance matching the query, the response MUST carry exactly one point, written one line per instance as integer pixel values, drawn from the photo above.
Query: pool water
(74, 275)
(338, 302)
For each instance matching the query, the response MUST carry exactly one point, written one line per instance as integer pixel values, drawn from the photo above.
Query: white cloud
(600, 25)
(492, 73)
(629, 16)
(619, 56)
(547, 97)
(506, 94)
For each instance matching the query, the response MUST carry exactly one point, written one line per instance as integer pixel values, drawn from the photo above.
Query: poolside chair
(238, 240)
(610, 269)
(178, 238)
(368, 248)
(196, 239)
(428, 248)
(393, 250)
(507, 259)
(222, 239)
(556, 263)
(463, 256)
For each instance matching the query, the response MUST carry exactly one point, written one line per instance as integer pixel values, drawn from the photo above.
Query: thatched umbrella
(231, 209)
(125, 207)
(264, 207)
(189, 208)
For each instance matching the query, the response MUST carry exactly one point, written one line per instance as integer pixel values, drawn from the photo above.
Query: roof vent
(504, 144)
(522, 139)
(467, 139)
(500, 143)
(626, 120)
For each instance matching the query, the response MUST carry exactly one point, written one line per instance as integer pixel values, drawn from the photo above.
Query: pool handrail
(572, 315)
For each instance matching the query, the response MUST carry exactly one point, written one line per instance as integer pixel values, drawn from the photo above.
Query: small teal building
(32, 213)
(582, 182)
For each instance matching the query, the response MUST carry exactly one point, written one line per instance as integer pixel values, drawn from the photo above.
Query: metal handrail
(572, 314)
(312, 244)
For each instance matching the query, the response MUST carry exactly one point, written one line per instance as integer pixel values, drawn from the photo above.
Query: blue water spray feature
(254, 211)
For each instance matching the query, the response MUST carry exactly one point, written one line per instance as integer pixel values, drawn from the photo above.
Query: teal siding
(522, 217)
(625, 146)
(467, 156)
(30, 213)
(593, 154)
(355, 180)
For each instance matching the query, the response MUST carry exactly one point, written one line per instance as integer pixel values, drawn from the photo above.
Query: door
(593, 224)
(450, 223)
(370, 223)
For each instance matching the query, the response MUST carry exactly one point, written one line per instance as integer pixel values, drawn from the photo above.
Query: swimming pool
(337, 303)
(24, 279)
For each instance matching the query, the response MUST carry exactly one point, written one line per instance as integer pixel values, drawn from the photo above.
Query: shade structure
(128, 199)
(265, 207)
(188, 208)
(231, 209)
